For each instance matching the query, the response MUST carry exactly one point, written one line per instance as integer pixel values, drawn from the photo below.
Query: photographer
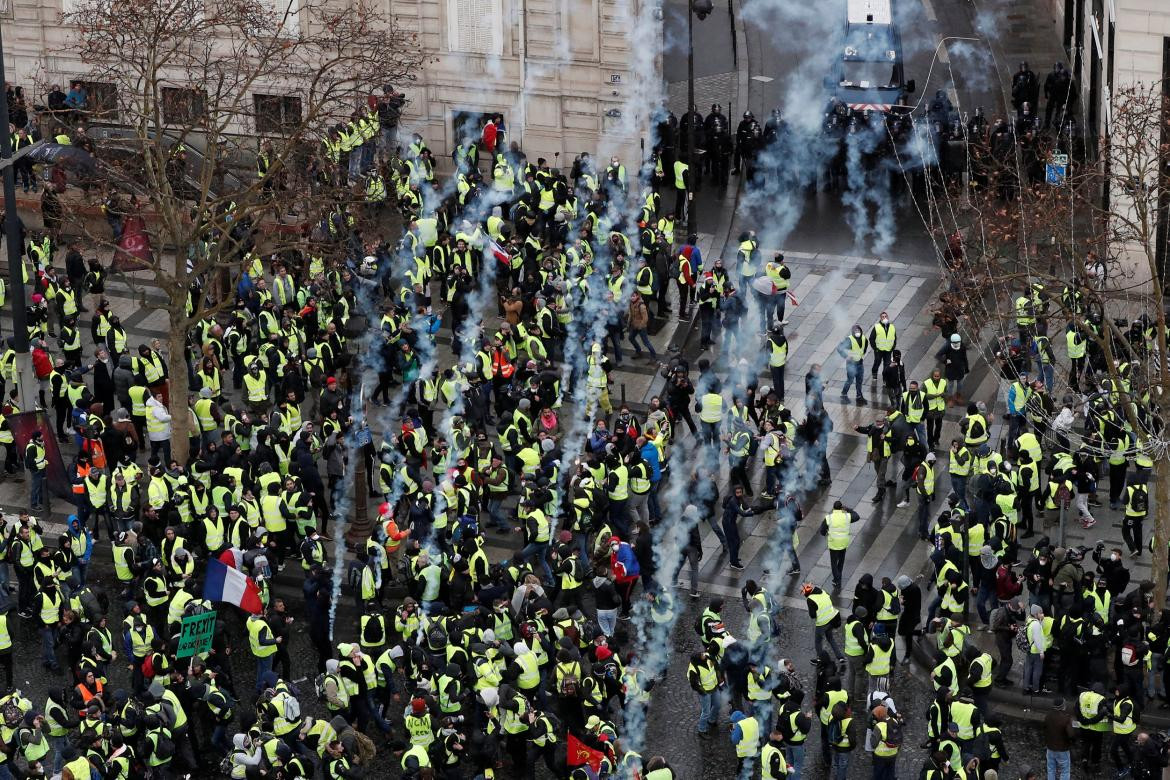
(1150, 755)
(1005, 622)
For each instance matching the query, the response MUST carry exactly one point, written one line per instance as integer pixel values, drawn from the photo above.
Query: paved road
(837, 284)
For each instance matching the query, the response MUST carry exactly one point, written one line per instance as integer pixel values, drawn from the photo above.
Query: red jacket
(42, 363)
(1007, 585)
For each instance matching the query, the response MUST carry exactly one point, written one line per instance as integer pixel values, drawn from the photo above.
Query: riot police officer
(748, 137)
(1025, 87)
(775, 140)
(691, 119)
(718, 131)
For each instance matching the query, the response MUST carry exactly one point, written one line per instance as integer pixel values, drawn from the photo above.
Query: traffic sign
(1054, 173)
(197, 632)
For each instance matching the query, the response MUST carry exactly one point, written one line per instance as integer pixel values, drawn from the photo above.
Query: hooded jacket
(124, 380)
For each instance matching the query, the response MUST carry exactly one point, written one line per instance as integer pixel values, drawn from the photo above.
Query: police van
(868, 75)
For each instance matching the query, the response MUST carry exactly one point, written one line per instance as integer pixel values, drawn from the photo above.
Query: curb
(683, 335)
(1013, 703)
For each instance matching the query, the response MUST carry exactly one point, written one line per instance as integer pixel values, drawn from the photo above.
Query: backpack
(229, 701)
(364, 747)
(893, 732)
(1129, 654)
(569, 685)
(1022, 638)
(164, 748)
(1141, 500)
(353, 576)
(292, 708)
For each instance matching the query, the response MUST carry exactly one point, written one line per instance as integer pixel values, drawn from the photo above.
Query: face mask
(1115, 557)
(885, 321)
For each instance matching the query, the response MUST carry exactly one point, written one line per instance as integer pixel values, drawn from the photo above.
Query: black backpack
(1141, 499)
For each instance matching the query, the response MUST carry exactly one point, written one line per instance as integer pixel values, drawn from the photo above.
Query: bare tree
(213, 77)
(1081, 253)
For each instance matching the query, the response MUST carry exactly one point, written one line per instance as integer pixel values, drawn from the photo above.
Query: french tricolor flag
(230, 585)
(498, 252)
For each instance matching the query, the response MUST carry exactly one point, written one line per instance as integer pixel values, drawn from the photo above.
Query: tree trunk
(1158, 564)
(177, 368)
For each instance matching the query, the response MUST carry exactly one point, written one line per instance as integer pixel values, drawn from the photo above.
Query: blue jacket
(736, 731)
(650, 454)
(76, 531)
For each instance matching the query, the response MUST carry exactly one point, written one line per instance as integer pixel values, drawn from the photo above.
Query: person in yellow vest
(935, 389)
(1124, 723)
(1137, 506)
(853, 349)
(887, 740)
(50, 602)
(37, 462)
(705, 679)
(710, 409)
(263, 645)
(158, 427)
(825, 616)
(1094, 716)
(745, 736)
(883, 336)
(840, 739)
(836, 529)
(1034, 660)
(682, 189)
(923, 477)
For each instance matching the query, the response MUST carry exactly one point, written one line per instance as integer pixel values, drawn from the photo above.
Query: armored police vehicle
(868, 76)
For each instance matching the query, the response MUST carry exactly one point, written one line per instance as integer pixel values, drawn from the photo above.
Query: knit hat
(903, 581)
(417, 706)
(1035, 611)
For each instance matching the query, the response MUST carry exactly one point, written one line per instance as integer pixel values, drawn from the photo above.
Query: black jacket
(911, 610)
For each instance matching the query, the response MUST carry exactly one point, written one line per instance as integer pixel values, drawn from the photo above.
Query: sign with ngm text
(195, 638)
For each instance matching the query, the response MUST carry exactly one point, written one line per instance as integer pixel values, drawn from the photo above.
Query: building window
(469, 125)
(286, 15)
(6, 9)
(183, 105)
(475, 26)
(102, 100)
(277, 114)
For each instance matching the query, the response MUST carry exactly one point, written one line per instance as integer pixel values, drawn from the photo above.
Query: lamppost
(12, 230)
(702, 9)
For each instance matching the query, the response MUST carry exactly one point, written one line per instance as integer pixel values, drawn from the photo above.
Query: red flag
(580, 754)
(133, 252)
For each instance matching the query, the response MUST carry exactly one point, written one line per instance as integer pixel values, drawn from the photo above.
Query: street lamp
(702, 9)
(12, 230)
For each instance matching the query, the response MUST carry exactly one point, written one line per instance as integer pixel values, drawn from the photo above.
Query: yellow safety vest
(838, 533)
(420, 730)
(258, 629)
(935, 392)
(885, 336)
(711, 408)
(750, 738)
(825, 609)
(879, 666)
(256, 388)
(883, 748)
